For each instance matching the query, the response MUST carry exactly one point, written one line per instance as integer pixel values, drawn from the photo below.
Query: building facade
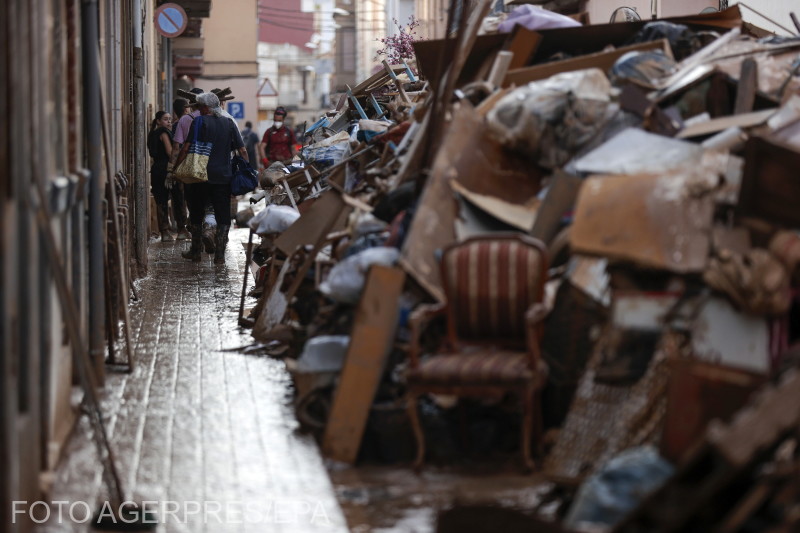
(295, 56)
(81, 82)
(229, 55)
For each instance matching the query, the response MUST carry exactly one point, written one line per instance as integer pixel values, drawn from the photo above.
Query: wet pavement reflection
(206, 432)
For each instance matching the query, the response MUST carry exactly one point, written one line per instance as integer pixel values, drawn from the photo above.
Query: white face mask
(277, 125)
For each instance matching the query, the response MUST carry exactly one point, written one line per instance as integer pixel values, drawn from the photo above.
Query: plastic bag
(550, 120)
(325, 156)
(363, 223)
(325, 353)
(273, 219)
(346, 279)
(535, 18)
(617, 488)
(642, 68)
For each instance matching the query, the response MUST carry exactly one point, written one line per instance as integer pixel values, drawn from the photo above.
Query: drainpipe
(92, 125)
(169, 87)
(140, 193)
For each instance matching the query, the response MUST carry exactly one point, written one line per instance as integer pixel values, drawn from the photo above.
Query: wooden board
(559, 200)
(582, 40)
(370, 343)
(770, 185)
(698, 393)
(748, 85)
(377, 80)
(601, 60)
(631, 218)
(428, 53)
(274, 308)
(315, 224)
(522, 43)
(716, 125)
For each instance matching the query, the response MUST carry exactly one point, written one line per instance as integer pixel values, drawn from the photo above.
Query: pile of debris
(605, 218)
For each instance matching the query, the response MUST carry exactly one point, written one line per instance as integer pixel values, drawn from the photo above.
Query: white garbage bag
(346, 280)
(273, 219)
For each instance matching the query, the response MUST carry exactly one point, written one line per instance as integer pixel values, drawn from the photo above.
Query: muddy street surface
(204, 431)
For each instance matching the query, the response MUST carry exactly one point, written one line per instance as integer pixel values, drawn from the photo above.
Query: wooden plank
(601, 60)
(274, 307)
(560, 198)
(313, 225)
(523, 44)
(770, 185)
(428, 53)
(716, 125)
(748, 85)
(370, 343)
(376, 80)
(698, 393)
(628, 218)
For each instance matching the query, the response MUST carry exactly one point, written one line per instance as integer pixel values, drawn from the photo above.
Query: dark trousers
(163, 195)
(217, 195)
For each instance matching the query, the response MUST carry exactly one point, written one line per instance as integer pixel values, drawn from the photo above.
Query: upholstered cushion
(490, 284)
(472, 369)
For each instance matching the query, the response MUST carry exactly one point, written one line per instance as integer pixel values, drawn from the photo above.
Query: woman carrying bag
(205, 161)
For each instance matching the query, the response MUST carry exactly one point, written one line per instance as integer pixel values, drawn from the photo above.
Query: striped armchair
(494, 287)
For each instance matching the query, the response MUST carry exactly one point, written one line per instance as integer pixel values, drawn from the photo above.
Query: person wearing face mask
(278, 142)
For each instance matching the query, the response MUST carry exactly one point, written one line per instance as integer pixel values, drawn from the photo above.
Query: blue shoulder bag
(245, 178)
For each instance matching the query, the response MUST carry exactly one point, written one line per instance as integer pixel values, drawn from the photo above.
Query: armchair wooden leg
(419, 435)
(538, 423)
(527, 429)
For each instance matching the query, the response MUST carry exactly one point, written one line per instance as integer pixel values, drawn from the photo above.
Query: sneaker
(183, 235)
(166, 237)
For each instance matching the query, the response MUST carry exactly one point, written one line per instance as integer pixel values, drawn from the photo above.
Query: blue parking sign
(236, 109)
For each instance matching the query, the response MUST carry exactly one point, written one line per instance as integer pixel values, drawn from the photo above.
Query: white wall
(600, 10)
(777, 10)
(244, 89)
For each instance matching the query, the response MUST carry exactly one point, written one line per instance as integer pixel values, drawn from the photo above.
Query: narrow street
(510, 267)
(198, 424)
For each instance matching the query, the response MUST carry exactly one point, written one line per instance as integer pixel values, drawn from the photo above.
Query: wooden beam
(370, 343)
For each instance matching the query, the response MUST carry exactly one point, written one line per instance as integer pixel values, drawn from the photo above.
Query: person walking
(279, 141)
(159, 145)
(180, 107)
(250, 139)
(224, 137)
(208, 228)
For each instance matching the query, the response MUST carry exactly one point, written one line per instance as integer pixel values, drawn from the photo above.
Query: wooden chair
(494, 287)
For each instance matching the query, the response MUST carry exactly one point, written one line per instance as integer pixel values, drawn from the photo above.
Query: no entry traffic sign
(170, 20)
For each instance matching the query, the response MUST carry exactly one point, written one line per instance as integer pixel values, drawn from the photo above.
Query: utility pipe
(140, 186)
(91, 124)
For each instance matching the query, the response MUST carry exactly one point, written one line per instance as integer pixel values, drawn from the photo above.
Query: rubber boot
(179, 211)
(220, 243)
(209, 236)
(162, 214)
(193, 252)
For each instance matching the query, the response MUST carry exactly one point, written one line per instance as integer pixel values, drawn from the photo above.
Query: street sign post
(171, 20)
